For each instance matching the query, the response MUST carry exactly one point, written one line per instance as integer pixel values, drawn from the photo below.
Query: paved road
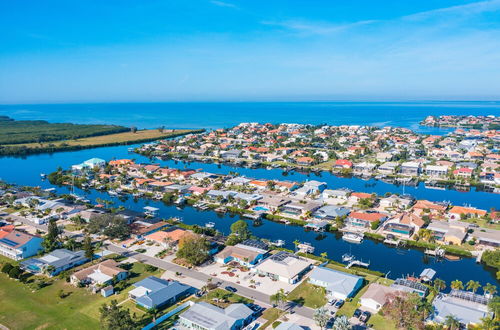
(258, 296)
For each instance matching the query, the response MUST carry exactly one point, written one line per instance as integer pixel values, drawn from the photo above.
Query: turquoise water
(215, 115)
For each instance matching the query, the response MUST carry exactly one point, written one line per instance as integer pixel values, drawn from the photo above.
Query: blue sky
(197, 50)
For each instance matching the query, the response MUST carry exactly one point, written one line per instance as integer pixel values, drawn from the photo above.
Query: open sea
(216, 115)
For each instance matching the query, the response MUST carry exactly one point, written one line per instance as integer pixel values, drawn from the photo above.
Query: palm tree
(489, 289)
(457, 285)
(488, 323)
(278, 298)
(439, 284)
(324, 255)
(296, 243)
(342, 323)
(452, 322)
(321, 317)
(154, 313)
(473, 286)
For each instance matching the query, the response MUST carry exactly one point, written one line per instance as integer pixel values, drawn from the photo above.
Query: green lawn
(24, 309)
(376, 320)
(227, 298)
(271, 315)
(308, 295)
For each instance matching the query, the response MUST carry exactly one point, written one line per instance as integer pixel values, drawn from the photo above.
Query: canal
(392, 261)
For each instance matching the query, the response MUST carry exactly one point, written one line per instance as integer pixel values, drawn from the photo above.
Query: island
(476, 122)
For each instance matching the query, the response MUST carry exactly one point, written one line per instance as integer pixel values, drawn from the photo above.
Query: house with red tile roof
(363, 220)
(456, 212)
(343, 163)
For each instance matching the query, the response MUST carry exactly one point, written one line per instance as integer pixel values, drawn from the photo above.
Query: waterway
(394, 262)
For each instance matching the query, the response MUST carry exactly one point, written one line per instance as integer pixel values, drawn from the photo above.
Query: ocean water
(216, 115)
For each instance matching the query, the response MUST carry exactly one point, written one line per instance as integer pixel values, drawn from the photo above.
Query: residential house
(242, 254)
(436, 171)
(205, 316)
(487, 237)
(411, 168)
(457, 212)
(403, 224)
(300, 209)
(452, 232)
(395, 202)
(376, 296)
(342, 164)
(18, 245)
(329, 212)
(338, 285)
(411, 286)
(284, 266)
(469, 308)
(364, 220)
(154, 292)
(388, 168)
(168, 238)
(54, 262)
(102, 274)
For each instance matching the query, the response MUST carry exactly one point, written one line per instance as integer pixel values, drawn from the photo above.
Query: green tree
(193, 249)
(473, 285)
(114, 317)
(452, 322)
(490, 289)
(439, 284)
(278, 298)
(341, 323)
(51, 240)
(402, 309)
(88, 247)
(240, 229)
(457, 285)
(321, 317)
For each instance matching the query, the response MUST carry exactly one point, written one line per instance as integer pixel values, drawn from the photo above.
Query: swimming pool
(260, 208)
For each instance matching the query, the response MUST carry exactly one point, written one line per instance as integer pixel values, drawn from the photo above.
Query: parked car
(357, 313)
(230, 289)
(339, 303)
(332, 301)
(365, 316)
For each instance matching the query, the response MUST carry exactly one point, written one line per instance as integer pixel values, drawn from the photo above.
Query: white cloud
(223, 4)
(467, 9)
(315, 27)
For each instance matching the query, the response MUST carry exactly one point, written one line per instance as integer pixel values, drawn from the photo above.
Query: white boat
(278, 243)
(112, 193)
(352, 237)
(347, 257)
(305, 247)
(137, 194)
(210, 224)
(43, 175)
(180, 201)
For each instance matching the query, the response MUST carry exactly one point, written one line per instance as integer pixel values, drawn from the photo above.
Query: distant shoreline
(123, 138)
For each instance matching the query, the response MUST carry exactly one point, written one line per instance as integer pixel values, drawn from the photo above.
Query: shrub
(6, 268)
(15, 272)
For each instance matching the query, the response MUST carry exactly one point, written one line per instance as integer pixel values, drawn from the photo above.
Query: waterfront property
(284, 266)
(205, 316)
(404, 225)
(54, 262)
(338, 285)
(153, 292)
(469, 308)
(410, 285)
(18, 245)
(449, 232)
(376, 296)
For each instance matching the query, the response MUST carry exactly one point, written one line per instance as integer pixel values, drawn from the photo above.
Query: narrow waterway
(392, 261)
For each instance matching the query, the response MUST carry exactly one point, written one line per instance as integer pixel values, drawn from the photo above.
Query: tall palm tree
(439, 284)
(488, 323)
(324, 255)
(489, 289)
(296, 243)
(452, 322)
(473, 286)
(457, 285)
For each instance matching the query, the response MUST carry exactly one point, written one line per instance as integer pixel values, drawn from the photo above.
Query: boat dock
(358, 263)
(438, 252)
